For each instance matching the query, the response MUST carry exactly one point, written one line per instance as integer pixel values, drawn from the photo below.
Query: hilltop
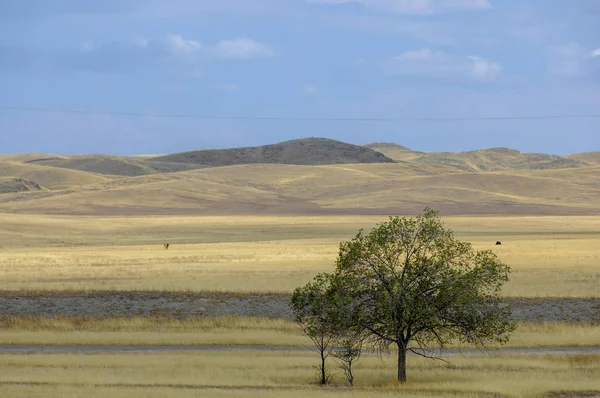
(307, 151)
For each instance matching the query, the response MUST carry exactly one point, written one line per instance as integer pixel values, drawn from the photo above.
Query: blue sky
(298, 58)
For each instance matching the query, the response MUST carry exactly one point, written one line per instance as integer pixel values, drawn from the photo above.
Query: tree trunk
(323, 376)
(401, 362)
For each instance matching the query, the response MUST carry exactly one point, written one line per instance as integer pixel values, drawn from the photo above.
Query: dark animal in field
(498, 243)
(166, 246)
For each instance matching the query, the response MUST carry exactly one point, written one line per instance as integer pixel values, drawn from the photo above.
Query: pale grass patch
(235, 331)
(289, 374)
(550, 256)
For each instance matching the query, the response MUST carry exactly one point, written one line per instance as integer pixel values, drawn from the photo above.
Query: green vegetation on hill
(17, 184)
(308, 151)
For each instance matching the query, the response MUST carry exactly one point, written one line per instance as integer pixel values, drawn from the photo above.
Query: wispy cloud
(120, 56)
(415, 7)
(571, 59)
(242, 49)
(439, 64)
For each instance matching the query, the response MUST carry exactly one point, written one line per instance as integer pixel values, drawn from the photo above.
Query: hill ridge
(304, 151)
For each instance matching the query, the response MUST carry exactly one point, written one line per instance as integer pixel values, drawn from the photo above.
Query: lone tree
(410, 284)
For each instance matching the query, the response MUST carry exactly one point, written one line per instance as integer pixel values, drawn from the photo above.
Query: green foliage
(315, 309)
(408, 283)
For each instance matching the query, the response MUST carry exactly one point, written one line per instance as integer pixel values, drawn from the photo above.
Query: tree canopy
(411, 284)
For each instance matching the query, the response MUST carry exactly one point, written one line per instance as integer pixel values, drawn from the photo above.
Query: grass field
(290, 374)
(234, 331)
(286, 232)
(551, 256)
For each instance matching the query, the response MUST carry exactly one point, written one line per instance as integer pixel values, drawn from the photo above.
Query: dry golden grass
(288, 374)
(550, 256)
(50, 177)
(293, 189)
(235, 331)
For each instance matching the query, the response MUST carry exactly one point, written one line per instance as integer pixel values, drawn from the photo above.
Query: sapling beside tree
(315, 309)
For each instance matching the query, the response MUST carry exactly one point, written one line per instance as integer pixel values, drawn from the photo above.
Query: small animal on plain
(166, 246)
(498, 243)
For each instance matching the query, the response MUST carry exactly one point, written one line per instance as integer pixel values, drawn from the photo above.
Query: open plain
(83, 263)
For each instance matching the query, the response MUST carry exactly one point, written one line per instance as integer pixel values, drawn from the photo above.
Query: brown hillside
(17, 184)
(332, 177)
(498, 159)
(308, 151)
(393, 151)
(49, 177)
(329, 189)
(112, 165)
(25, 157)
(590, 157)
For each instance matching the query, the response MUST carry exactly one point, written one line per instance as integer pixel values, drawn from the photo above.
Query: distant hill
(308, 151)
(27, 156)
(492, 159)
(590, 157)
(112, 165)
(50, 177)
(498, 159)
(308, 176)
(393, 151)
(16, 184)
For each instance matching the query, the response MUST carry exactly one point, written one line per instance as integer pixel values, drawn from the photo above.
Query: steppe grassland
(244, 331)
(551, 256)
(288, 374)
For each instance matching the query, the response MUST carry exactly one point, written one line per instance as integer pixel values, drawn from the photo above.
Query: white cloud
(426, 62)
(180, 46)
(135, 54)
(413, 6)
(242, 49)
(483, 69)
(570, 60)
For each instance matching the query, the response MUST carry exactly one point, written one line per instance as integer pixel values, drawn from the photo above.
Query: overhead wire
(300, 118)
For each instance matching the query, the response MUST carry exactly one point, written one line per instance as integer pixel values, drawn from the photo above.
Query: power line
(299, 118)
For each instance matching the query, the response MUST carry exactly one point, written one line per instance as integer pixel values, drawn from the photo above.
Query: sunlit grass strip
(234, 330)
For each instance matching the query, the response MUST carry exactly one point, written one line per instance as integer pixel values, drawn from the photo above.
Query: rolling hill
(492, 159)
(17, 184)
(112, 165)
(393, 151)
(308, 151)
(337, 178)
(590, 157)
(50, 177)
